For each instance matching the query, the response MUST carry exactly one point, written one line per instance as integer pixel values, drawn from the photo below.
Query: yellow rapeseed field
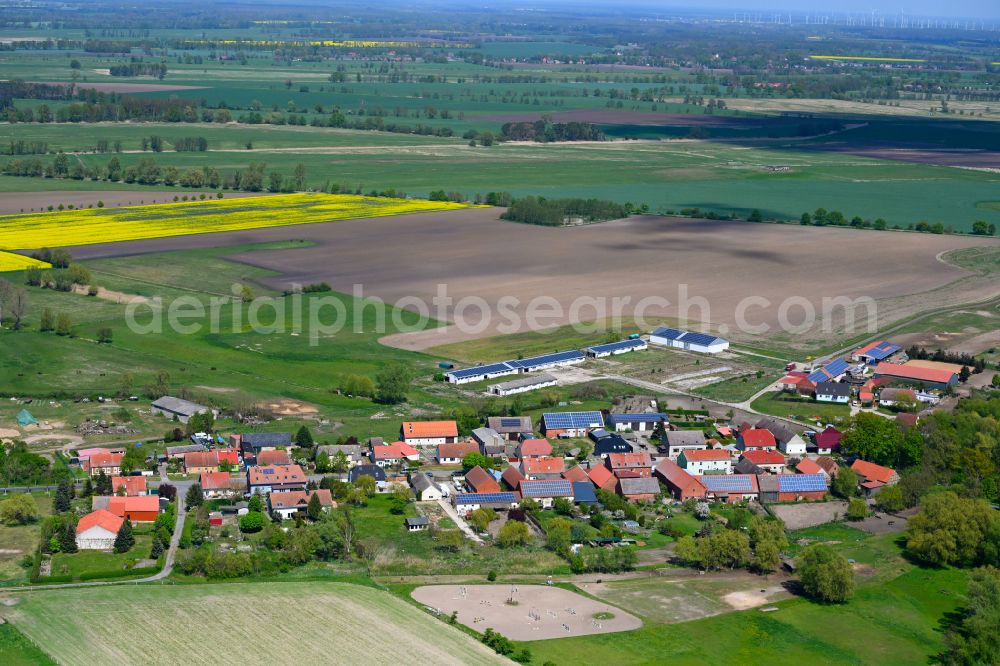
(18, 262)
(107, 225)
(864, 58)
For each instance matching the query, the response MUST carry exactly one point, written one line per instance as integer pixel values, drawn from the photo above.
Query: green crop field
(803, 409)
(279, 622)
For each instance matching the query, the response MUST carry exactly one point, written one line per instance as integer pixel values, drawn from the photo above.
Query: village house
(353, 452)
(576, 473)
(808, 466)
(635, 422)
(829, 466)
(286, 505)
(512, 478)
(480, 481)
(768, 460)
(468, 502)
(373, 471)
(424, 488)
(629, 464)
(584, 494)
(491, 444)
(872, 478)
(611, 444)
(827, 441)
(275, 479)
(603, 478)
(801, 487)
(252, 443)
(275, 457)
(639, 488)
(744, 466)
(199, 462)
(143, 509)
(97, 530)
(756, 439)
(533, 448)
(215, 484)
(178, 409)
(675, 441)
(130, 486)
(545, 492)
(570, 424)
(892, 397)
(428, 433)
(109, 463)
(178, 452)
(510, 427)
(543, 468)
(452, 454)
(732, 488)
(796, 382)
(836, 392)
(681, 485)
(417, 524)
(789, 442)
(706, 461)
(387, 455)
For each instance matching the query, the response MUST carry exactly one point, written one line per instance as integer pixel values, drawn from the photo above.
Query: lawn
(91, 563)
(738, 389)
(780, 403)
(21, 540)
(282, 622)
(17, 650)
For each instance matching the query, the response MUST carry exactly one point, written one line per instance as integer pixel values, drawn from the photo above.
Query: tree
(513, 533)
(475, 459)
(975, 639)
(64, 496)
(322, 462)
(105, 335)
(366, 484)
(124, 540)
(251, 522)
(724, 549)
(686, 550)
(890, 499)
(20, 509)
(103, 483)
(304, 438)
(399, 499)
(47, 322)
(857, 509)
(67, 536)
(157, 548)
(339, 463)
(167, 491)
(766, 557)
(392, 383)
(825, 575)
(194, 497)
(873, 438)
(845, 483)
(952, 530)
(755, 216)
(64, 325)
(481, 519)
(450, 540)
(314, 509)
(255, 503)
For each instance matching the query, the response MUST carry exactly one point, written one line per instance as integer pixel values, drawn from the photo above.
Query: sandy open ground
(541, 612)
(472, 254)
(26, 202)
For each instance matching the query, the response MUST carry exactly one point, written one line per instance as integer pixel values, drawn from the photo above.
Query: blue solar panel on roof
(637, 418)
(728, 482)
(669, 333)
(490, 369)
(558, 357)
(615, 346)
(558, 420)
(791, 483)
(486, 498)
(510, 423)
(698, 338)
(551, 488)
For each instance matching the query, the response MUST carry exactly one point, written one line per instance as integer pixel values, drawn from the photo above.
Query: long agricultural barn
(696, 342)
(875, 352)
(521, 385)
(916, 375)
(615, 348)
(522, 365)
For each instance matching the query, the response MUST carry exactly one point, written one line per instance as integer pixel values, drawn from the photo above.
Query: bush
(857, 509)
(252, 522)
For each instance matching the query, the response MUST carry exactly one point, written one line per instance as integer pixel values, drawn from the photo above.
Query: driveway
(459, 521)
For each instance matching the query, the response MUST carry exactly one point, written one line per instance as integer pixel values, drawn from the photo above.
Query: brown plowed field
(475, 254)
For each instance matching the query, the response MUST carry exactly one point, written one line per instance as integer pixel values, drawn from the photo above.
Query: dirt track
(474, 254)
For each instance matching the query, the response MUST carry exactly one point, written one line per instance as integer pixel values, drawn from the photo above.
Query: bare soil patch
(9, 432)
(286, 407)
(809, 514)
(541, 612)
(980, 159)
(474, 254)
(109, 295)
(27, 202)
(744, 599)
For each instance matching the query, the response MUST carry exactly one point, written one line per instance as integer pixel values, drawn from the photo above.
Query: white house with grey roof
(676, 441)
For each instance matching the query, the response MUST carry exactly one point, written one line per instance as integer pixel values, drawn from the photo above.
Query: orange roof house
(196, 462)
(215, 482)
(109, 463)
(97, 530)
(275, 457)
(575, 474)
(682, 485)
(481, 481)
(632, 464)
(533, 467)
(533, 448)
(134, 486)
(603, 478)
(429, 432)
(807, 466)
(137, 509)
(916, 374)
(872, 476)
(276, 478)
(757, 438)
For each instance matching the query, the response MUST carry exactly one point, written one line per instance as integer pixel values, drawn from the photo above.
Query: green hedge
(119, 573)
(52, 580)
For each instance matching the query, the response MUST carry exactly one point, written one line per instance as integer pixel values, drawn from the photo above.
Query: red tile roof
(512, 477)
(201, 459)
(105, 459)
(542, 465)
(764, 457)
(758, 437)
(279, 474)
(602, 477)
(215, 481)
(276, 457)
(133, 485)
(536, 447)
(457, 450)
(828, 465)
(429, 429)
(100, 518)
(619, 461)
(829, 438)
(872, 472)
(807, 466)
(914, 373)
(481, 481)
(676, 476)
(120, 506)
(706, 454)
(576, 473)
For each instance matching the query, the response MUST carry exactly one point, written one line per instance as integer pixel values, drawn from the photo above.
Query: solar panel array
(637, 418)
(618, 346)
(668, 333)
(486, 498)
(545, 359)
(883, 350)
(506, 422)
(801, 483)
(481, 370)
(688, 337)
(568, 420)
(546, 488)
(729, 483)
(829, 371)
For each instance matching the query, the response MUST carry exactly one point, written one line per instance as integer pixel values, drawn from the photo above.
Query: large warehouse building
(696, 342)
